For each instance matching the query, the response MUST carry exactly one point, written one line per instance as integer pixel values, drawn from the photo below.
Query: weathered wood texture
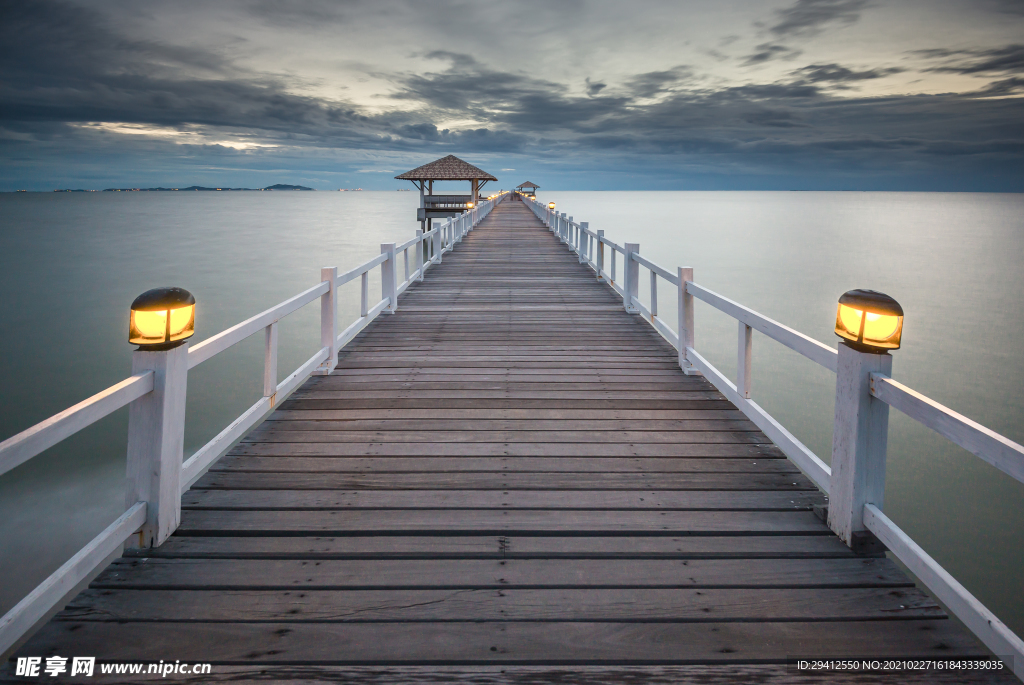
(509, 481)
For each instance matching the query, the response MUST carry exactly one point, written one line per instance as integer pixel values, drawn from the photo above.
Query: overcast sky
(715, 94)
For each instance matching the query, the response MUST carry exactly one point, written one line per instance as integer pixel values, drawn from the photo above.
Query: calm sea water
(70, 265)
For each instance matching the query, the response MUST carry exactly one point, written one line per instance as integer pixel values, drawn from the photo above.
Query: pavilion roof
(528, 185)
(449, 168)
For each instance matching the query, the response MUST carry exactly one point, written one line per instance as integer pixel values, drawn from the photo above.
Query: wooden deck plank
(269, 500)
(829, 604)
(626, 546)
(508, 642)
(286, 574)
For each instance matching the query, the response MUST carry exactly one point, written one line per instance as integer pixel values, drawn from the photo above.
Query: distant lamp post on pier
(470, 205)
(551, 205)
(162, 318)
(869, 321)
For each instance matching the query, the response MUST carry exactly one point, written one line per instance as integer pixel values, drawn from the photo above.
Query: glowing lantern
(162, 318)
(551, 205)
(869, 321)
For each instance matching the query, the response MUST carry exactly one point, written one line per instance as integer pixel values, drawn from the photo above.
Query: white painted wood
(405, 259)
(654, 296)
(364, 294)
(419, 256)
(600, 255)
(359, 324)
(631, 277)
(299, 375)
(203, 458)
(156, 435)
(654, 268)
(36, 604)
(438, 240)
(19, 448)
(389, 278)
(859, 435)
(999, 451)
(360, 270)
(794, 340)
(209, 453)
(270, 362)
(329, 318)
(583, 242)
(239, 332)
(684, 322)
(613, 267)
(744, 359)
(804, 459)
(965, 606)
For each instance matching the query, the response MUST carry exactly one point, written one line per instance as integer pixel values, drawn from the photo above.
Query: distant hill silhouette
(276, 186)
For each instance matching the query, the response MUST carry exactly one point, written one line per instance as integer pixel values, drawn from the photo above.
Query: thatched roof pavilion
(449, 168)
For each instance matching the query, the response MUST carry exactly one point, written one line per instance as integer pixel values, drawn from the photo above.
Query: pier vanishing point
(508, 479)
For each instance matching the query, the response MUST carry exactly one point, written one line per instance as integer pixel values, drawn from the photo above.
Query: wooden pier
(508, 480)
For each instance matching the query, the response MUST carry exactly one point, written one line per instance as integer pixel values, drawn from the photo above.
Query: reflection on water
(72, 264)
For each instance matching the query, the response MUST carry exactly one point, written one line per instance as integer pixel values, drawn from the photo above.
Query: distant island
(276, 186)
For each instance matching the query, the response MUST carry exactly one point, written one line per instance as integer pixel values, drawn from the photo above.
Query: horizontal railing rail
(859, 433)
(162, 389)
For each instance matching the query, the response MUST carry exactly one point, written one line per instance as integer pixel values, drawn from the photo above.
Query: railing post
(156, 436)
(570, 237)
(584, 252)
(563, 231)
(684, 327)
(364, 294)
(438, 245)
(631, 278)
(389, 278)
(329, 321)
(744, 359)
(859, 437)
(419, 254)
(654, 295)
(270, 362)
(600, 255)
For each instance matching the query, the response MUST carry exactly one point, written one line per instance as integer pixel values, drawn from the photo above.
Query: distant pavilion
(449, 168)
(528, 189)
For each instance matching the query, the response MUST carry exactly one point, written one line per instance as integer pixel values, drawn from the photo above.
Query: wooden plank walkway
(510, 480)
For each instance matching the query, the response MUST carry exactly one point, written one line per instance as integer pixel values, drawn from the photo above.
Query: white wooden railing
(855, 483)
(155, 395)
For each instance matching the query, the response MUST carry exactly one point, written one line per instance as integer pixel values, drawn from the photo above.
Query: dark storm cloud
(841, 76)
(1008, 59)
(655, 82)
(769, 51)
(810, 17)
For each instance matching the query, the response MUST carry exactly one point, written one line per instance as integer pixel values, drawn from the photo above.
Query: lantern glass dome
(869, 320)
(162, 317)
(551, 205)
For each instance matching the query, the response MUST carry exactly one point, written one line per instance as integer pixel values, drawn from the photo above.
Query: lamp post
(870, 324)
(162, 321)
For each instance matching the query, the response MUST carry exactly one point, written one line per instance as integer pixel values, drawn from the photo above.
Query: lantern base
(861, 347)
(161, 347)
